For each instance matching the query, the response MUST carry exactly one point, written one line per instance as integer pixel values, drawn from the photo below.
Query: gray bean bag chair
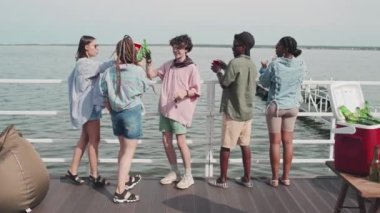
(24, 179)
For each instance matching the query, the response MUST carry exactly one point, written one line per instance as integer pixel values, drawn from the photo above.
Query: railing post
(332, 137)
(209, 168)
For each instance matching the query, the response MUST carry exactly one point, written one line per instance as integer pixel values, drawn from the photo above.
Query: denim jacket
(283, 77)
(133, 85)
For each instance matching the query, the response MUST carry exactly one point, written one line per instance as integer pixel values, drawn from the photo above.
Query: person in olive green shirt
(239, 86)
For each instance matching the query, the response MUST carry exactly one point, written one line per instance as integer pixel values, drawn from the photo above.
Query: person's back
(132, 85)
(284, 81)
(239, 85)
(122, 87)
(283, 76)
(239, 88)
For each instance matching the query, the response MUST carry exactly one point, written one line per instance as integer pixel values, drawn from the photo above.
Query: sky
(322, 22)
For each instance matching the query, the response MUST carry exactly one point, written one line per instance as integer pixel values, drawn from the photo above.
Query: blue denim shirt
(84, 92)
(133, 84)
(283, 77)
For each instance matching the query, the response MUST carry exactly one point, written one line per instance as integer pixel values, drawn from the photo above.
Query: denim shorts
(95, 114)
(169, 125)
(127, 123)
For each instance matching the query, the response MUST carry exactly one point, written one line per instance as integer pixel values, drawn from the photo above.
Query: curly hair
(182, 41)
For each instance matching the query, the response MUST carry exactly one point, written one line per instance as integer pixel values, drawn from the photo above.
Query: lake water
(56, 62)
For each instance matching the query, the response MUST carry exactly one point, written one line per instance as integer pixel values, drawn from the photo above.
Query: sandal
(214, 182)
(273, 183)
(285, 182)
(240, 181)
(122, 198)
(74, 178)
(133, 181)
(99, 181)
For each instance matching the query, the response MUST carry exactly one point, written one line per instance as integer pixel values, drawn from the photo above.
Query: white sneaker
(186, 182)
(169, 178)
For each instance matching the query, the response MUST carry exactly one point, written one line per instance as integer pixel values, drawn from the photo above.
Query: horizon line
(209, 45)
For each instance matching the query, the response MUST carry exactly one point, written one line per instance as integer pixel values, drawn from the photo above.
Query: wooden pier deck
(304, 195)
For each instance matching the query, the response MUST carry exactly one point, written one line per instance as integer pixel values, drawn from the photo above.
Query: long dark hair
(84, 40)
(291, 45)
(126, 54)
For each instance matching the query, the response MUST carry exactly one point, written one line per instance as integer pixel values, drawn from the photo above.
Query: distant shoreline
(224, 46)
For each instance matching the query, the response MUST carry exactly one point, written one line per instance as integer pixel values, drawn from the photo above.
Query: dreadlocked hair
(291, 44)
(126, 54)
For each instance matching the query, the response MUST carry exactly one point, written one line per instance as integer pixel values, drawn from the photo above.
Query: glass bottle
(374, 168)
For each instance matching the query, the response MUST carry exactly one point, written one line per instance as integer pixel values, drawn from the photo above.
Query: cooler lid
(345, 93)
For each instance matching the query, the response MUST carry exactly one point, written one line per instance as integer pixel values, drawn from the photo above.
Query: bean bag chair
(24, 179)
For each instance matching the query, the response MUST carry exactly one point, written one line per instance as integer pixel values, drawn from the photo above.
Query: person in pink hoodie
(180, 90)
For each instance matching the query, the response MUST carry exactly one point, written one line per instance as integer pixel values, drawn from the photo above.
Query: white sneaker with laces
(169, 178)
(186, 182)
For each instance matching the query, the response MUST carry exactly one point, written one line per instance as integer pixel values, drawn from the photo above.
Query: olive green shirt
(239, 88)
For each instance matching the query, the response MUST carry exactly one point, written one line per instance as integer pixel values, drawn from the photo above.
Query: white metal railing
(209, 160)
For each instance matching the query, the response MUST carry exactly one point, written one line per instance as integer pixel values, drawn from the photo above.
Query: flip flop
(214, 182)
(285, 182)
(240, 181)
(273, 183)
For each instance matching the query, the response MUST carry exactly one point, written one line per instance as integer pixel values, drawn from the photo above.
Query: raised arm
(92, 68)
(265, 77)
(150, 71)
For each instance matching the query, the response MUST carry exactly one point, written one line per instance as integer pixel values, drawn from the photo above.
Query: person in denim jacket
(283, 77)
(122, 87)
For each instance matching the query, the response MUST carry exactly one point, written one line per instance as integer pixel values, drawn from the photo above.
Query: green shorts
(169, 125)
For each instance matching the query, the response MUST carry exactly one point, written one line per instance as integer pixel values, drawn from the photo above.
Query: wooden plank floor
(304, 195)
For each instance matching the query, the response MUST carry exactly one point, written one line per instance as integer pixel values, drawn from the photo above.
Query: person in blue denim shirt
(122, 87)
(85, 104)
(283, 77)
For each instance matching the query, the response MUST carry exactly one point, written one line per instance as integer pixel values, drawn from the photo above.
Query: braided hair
(290, 45)
(125, 54)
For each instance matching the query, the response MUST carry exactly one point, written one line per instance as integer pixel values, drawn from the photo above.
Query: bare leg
(93, 130)
(287, 142)
(185, 151)
(126, 152)
(274, 153)
(223, 161)
(167, 140)
(79, 151)
(246, 154)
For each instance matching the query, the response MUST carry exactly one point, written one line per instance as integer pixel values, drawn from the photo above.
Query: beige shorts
(235, 132)
(280, 120)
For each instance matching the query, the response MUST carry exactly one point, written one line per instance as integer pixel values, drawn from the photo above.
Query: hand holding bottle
(217, 65)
